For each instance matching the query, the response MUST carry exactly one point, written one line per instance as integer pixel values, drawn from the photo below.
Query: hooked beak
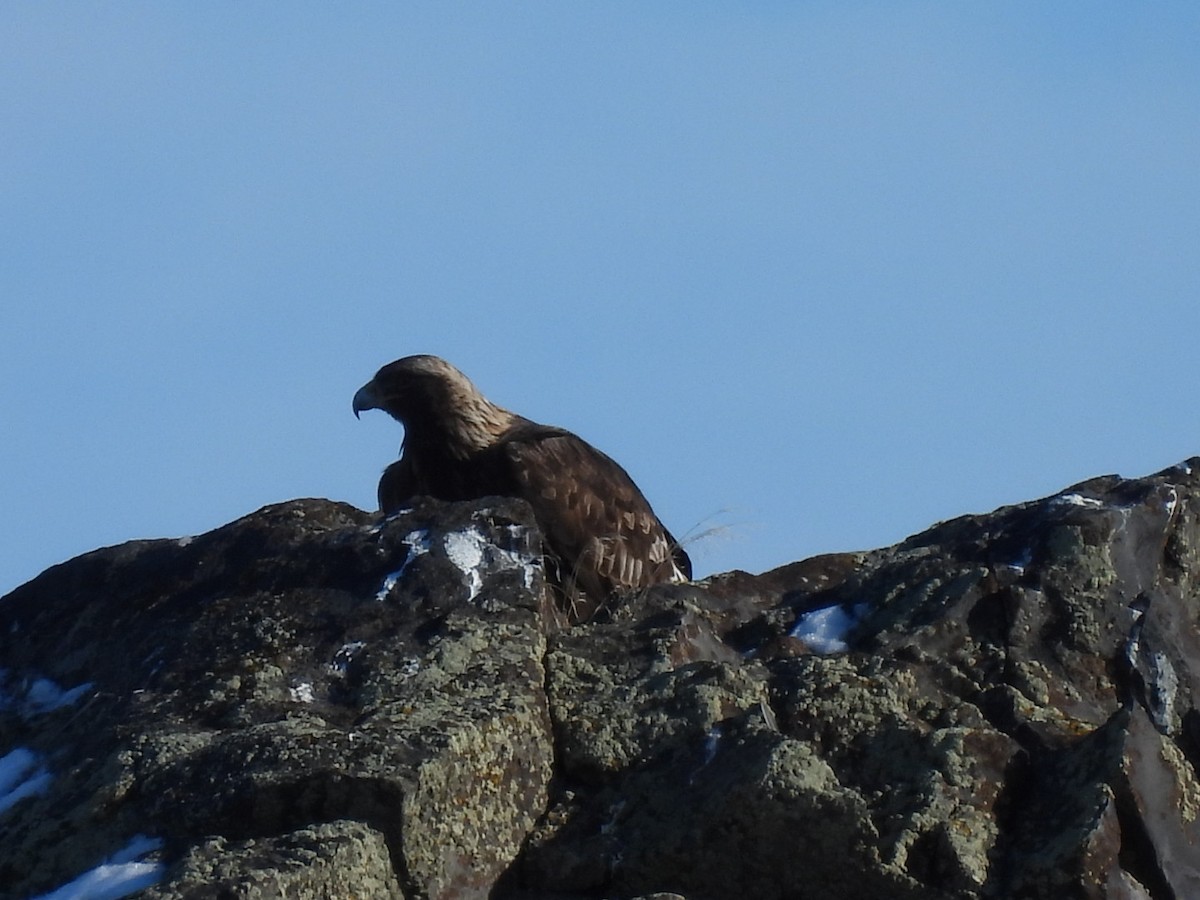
(365, 398)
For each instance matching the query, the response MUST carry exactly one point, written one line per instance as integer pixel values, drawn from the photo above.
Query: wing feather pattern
(591, 512)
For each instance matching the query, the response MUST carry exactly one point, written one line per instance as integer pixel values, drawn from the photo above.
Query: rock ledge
(311, 702)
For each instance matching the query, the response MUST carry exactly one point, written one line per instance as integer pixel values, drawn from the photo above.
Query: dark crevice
(1013, 804)
(1138, 856)
(511, 882)
(1189, 740)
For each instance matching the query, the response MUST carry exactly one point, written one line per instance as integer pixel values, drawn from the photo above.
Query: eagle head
(411, 386)
(428, 395)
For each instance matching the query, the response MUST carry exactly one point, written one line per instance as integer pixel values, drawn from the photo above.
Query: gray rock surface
(311, 702)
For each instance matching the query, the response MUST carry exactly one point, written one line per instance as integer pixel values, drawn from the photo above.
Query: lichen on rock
(313, 701)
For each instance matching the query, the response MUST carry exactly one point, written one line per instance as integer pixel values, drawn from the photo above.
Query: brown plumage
(601, 534)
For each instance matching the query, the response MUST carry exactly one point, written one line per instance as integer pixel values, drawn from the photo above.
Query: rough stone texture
(313, 703)
(255, 684)
(338, 860)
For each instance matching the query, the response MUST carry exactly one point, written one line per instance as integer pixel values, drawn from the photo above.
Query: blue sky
(817, 274)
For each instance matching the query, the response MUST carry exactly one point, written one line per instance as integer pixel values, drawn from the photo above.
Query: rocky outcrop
(311, 702)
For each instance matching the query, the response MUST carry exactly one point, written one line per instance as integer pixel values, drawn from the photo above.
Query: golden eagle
(601, 534)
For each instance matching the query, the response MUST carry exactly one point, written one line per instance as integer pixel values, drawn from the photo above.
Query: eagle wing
(592, 515)
(398, 485)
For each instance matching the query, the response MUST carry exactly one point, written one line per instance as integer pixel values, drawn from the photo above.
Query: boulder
(306, 697)
(316, 702)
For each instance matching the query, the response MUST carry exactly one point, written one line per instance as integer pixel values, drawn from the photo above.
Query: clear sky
(818, 274)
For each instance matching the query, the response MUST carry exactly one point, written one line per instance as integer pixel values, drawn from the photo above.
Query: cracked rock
(313, 701)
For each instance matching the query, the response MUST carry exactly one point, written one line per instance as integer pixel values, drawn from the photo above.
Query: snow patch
(465, 550)
(824, 630)
(418, 545)
(1021, 563)
(389, 582)
(45, 696)
(1172, 502)
(345, 656)
(377, 528)
(302, 693)
(120, 875)
(470, 550)
(1133, 642)
(39, 696)
(1162, 691)
(21, 776)
(1076, 500)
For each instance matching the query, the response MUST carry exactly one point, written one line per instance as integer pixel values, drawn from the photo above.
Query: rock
(312, 702)
(338, 859)
(305, 683)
